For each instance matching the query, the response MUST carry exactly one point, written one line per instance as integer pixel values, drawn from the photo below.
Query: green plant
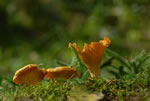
(128, 67)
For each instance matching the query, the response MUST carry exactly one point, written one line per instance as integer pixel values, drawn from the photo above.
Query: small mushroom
(61, 72)
(29, 75)
(92, 55)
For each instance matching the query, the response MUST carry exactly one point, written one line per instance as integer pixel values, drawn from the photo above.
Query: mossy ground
(136, 89)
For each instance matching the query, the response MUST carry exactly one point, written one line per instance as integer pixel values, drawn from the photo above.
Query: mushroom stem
(50, 76)
(94, 71)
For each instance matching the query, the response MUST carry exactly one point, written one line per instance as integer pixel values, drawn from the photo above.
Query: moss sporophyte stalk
(92, 55)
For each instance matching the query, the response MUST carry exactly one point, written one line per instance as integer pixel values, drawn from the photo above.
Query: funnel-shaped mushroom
(61, 72)
(92, 54)
(29, 75)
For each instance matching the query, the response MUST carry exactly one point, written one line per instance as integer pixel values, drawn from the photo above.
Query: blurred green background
(38, 31)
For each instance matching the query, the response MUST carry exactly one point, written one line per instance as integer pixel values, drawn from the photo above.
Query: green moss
(45, 90)
(122, 89)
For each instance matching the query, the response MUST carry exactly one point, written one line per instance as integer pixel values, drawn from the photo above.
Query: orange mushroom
(29, 75)
(92, 55)
(61, 72)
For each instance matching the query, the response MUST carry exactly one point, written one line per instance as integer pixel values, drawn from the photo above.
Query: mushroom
(92, 55)
(61, 72)
(29, 75)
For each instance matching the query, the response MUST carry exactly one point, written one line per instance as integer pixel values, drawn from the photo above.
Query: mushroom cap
(62, 72)
(92, 54)
(29, 74)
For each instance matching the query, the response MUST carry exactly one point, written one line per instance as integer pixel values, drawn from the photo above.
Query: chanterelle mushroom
(62, 72)
(29, 74)
(92, 55)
